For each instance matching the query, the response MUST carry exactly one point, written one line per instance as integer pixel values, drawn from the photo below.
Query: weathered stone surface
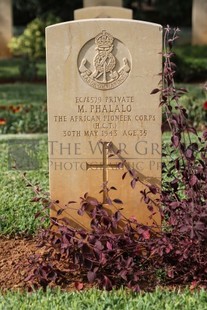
(100, 74)
(199, 22)
(102, 12)
(5, 27)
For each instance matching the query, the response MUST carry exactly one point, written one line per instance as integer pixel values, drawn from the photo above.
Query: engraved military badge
(104, 62)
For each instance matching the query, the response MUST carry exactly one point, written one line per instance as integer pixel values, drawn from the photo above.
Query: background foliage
(174, 12)
(24, 12)
(191, 63)
(31, 45)
(23, 108)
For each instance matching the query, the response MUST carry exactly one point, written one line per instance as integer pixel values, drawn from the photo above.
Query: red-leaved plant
(138, 256)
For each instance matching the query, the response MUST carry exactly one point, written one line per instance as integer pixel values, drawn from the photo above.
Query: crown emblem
(108, 68)
(104, 39)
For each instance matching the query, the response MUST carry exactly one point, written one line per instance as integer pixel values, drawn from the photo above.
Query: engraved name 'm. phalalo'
(105, 72)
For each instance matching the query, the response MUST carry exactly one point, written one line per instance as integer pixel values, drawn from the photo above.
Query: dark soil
(14, 253)
(14, 265)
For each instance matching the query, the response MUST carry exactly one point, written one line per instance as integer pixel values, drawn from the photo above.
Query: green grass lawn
(22, 93)
(102, 300)
(9, 69)
(16, 209)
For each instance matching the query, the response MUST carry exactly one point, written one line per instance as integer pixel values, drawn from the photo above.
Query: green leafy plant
(10, 72)
(31, 45)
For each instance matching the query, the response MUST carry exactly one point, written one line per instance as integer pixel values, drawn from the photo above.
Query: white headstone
(100, 74)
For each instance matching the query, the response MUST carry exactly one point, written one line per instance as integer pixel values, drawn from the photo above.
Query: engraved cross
(105, 166)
